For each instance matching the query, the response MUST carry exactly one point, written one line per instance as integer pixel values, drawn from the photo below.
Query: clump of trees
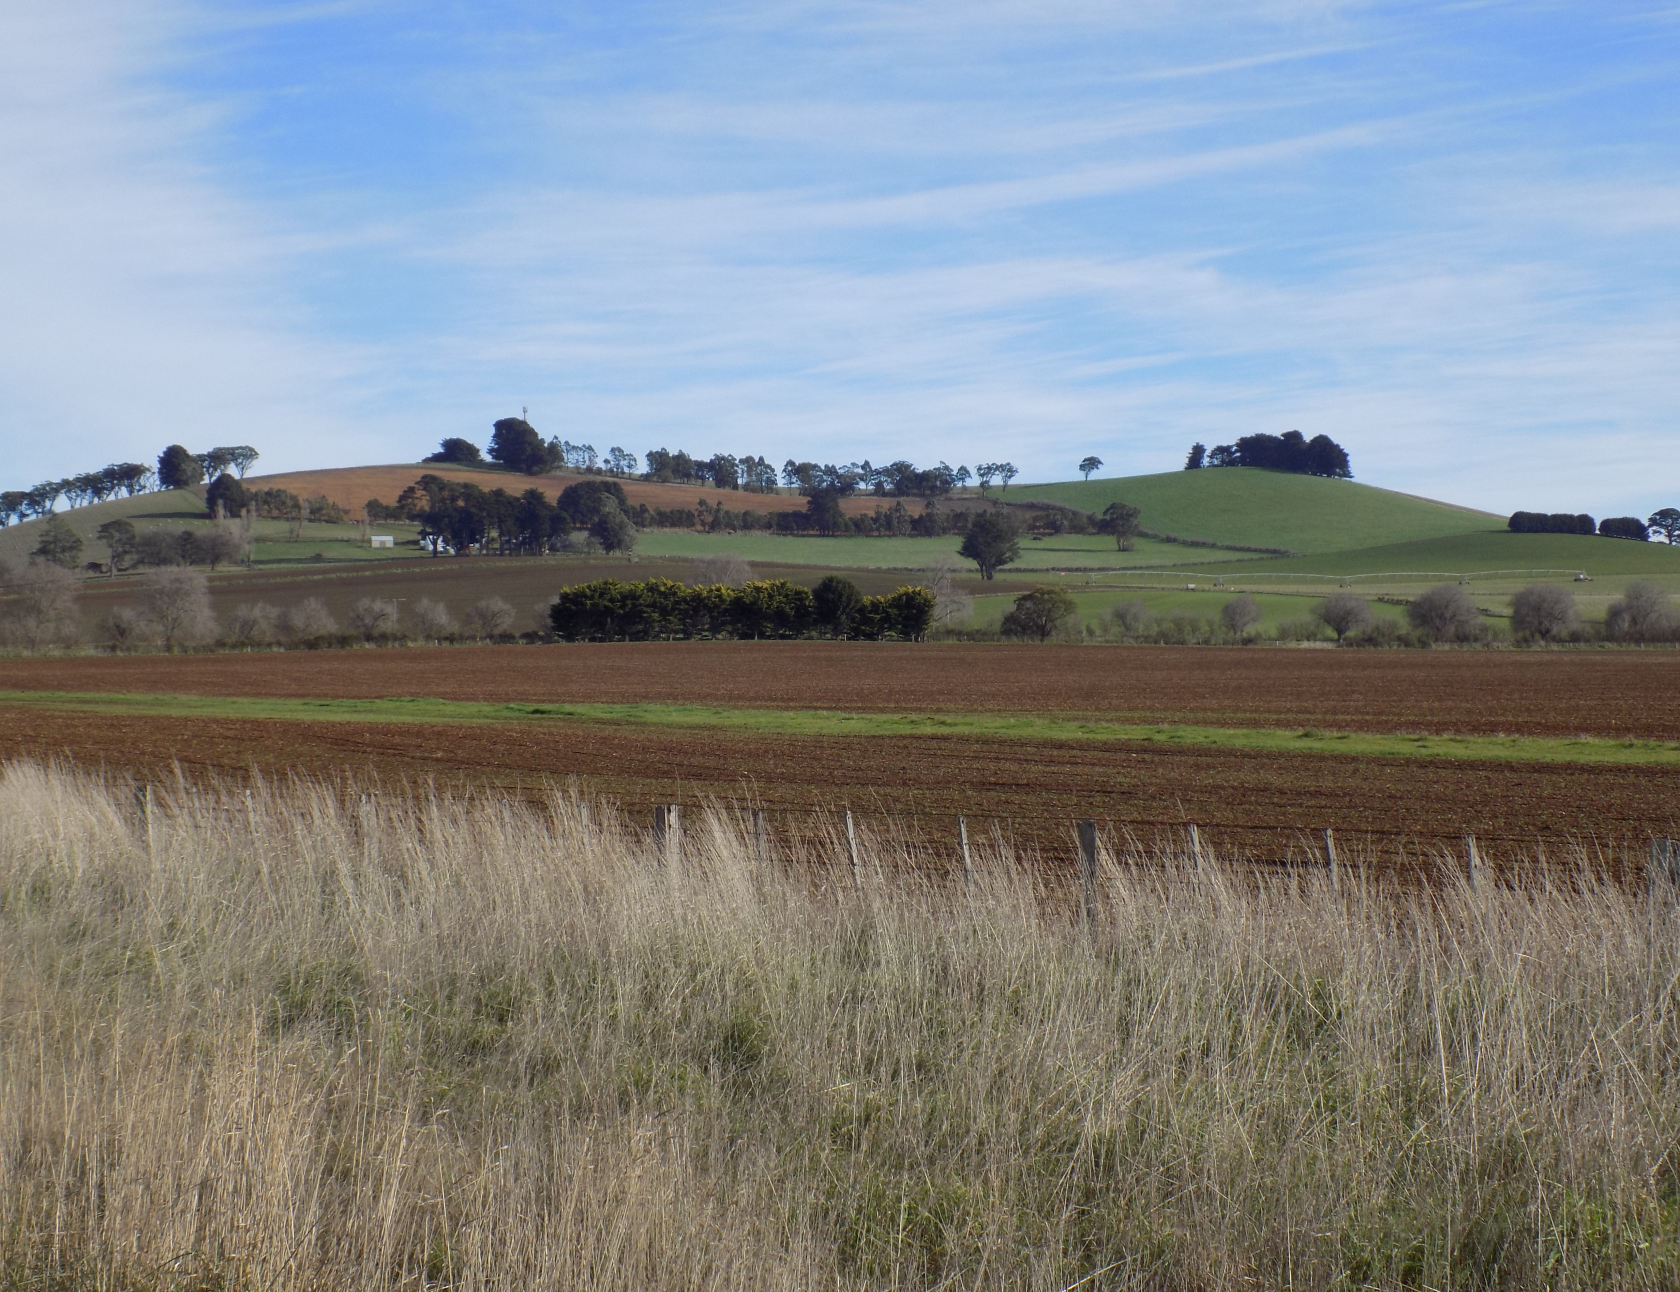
(1539, 522)
(665, 610)
(1291, 452)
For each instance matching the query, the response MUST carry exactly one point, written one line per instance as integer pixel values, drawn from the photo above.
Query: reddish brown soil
(351, 487)
(1611, 693)
(1264, 803)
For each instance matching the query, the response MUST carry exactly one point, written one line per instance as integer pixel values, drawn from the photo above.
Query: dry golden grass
(301, 1038)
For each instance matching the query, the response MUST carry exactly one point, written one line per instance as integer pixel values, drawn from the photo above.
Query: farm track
(1263, 803)
(1607, 694)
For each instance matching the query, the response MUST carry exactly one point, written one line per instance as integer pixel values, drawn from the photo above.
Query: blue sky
(1444, 234)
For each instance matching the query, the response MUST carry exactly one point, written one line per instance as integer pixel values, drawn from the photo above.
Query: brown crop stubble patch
(1613, 694)
(1260, 802)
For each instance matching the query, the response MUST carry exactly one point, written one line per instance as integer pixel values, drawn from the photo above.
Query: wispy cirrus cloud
(994, 230)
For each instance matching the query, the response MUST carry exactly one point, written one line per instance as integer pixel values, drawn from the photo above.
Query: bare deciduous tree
(1641, 614)
(1446, 613)
(42, 608)
(490, 618)
(176, 604)
(125, 628)
(254, 625)
(1344, 613)
(1542, 611)
(951, 605)
(1239, 614)
(1130, 618)
(373, 617)
(725, 568)
(308, 620)
(431, 619)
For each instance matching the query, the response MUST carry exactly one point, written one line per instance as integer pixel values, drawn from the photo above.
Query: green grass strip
(815, 722)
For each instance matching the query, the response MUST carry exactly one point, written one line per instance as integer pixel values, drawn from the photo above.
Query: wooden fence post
(667, 832)
(1330, 861)
(1088, 869)
(1475, 858)
(1662, 876)
(851, 848)
(962, 844)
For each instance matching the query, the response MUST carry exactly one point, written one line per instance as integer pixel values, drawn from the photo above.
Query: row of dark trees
(1665, 522)
(664, 610)
(1291, 452)
(176, 469)
(517, 445)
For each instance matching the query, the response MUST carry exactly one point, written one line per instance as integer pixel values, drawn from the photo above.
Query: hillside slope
(1243, 505)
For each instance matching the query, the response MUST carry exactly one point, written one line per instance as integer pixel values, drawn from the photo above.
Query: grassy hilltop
(1250, 507)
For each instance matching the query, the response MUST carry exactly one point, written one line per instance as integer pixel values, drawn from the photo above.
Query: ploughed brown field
(1531, 693)
(1262, 802)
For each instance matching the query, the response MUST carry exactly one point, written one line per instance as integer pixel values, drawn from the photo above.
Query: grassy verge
(803, 722)
(312, 1039)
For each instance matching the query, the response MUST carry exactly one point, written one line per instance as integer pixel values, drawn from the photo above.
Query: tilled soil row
(1619, 694)
(1266, 804)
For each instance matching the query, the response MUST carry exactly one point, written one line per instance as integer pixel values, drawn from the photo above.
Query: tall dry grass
(301, 1039)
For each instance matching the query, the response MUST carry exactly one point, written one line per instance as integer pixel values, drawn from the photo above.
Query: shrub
(124, 628)
(211, 546)
(1344, 613)
(1305, 628)
(1542, 611)
(1446, 613)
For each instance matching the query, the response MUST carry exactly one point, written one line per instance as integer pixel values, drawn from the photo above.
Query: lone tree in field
(1344, 613)
(1041, 614)
(835, 602)
(1123, 521)
(1667, 523)
(178, 469)
(991, 542)
(1542, 611)
(1446, 613)
(1240, 614)
(1088, 465)
(119, 537)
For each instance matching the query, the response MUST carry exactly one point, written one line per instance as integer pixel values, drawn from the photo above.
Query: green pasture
(1269, 508)
(815, 722)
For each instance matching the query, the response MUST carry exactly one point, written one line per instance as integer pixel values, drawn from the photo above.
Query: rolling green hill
(1242, 505)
